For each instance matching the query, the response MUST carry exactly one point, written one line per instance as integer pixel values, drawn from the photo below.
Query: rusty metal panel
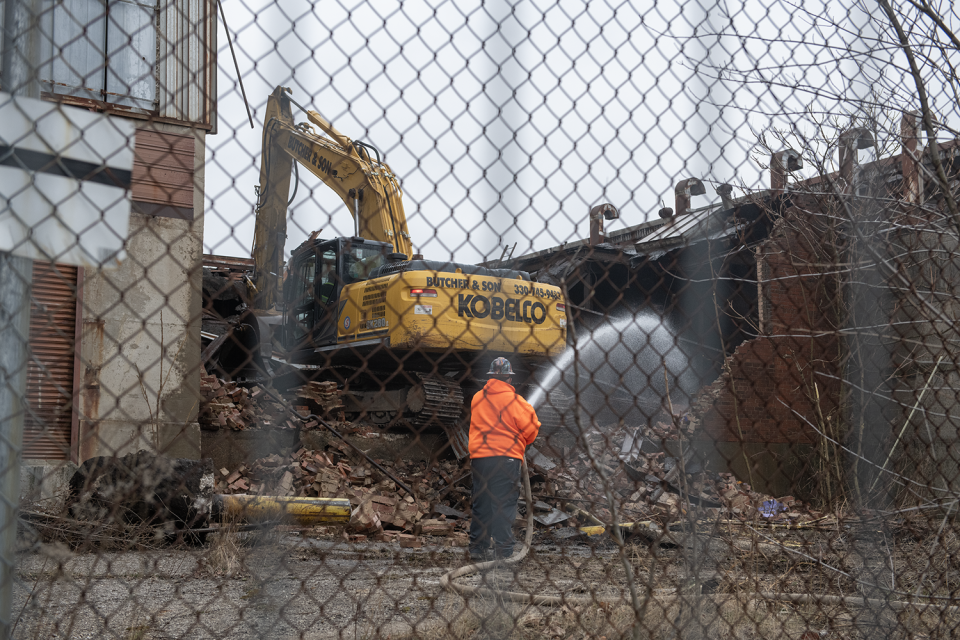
(53, 322)
(187, 61)
(77, 374)
(163, 169)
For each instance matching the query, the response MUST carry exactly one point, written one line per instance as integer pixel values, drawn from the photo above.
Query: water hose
(447, 581)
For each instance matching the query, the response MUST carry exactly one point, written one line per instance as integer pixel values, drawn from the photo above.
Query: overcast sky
(505, 123)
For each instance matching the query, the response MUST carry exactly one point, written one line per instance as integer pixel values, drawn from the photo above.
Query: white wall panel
(132, 49)
(187, 58)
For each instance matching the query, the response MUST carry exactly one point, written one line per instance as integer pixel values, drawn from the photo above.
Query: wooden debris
(450, 512)
(323, 398)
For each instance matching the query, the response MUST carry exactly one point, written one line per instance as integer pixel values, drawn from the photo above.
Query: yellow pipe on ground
(598, 528)
(644, 525)
(303, 511)
(593, 530)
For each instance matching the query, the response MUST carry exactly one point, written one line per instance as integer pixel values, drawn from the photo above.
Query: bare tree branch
(925, 8)
(926, 113)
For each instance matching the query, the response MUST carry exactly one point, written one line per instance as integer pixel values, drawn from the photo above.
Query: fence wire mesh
(261, 262)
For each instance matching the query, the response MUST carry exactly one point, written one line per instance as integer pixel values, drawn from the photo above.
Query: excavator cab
(319, 270)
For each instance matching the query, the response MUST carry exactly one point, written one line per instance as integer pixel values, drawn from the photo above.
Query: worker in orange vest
(502, 426)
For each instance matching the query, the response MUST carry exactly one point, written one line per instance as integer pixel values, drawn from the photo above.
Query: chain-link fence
(262, 261)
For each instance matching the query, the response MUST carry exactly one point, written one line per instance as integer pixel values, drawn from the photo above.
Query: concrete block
(141, 338)
(120, 437)
(229, 449)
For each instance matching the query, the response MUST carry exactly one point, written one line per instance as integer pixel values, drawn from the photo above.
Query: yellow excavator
(405, 336)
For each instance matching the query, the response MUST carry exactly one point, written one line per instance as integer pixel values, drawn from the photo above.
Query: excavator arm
(366, 185)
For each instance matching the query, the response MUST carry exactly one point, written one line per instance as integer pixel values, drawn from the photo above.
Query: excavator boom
(367, 186)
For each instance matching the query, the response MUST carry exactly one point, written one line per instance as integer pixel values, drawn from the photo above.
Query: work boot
(481, 555)
(503, 554)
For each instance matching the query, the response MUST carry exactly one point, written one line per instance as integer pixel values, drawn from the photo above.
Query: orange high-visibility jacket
(501, 422)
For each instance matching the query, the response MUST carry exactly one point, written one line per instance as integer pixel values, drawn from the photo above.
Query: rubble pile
(226, 405)
(380, 507)
(662, 430)
(579, 490)
(647, 483)
(741, 500)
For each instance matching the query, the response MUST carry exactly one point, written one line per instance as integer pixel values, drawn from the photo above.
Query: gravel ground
(291, 587)
(319, 587)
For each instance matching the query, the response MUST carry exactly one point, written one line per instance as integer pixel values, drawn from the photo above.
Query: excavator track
(442, 405)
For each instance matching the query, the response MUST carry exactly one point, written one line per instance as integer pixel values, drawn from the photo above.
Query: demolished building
(780, 302)
(757, 294)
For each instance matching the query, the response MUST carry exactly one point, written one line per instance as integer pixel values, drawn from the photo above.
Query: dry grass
(226, 554)
(139, 628)
(230, 547)
(84, 536)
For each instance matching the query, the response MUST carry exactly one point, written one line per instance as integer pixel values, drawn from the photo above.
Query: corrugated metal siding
(187, 60)
(163, 169)
(53, 334)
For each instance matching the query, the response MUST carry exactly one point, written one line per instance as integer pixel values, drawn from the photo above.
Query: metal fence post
(15, 275)
(20, 64)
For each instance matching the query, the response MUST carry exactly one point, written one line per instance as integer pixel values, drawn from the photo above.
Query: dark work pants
(496, 488)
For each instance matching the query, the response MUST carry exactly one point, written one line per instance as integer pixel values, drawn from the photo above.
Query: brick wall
(798, 348)
(744, 403)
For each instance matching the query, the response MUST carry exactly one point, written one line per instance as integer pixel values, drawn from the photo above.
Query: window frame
(196, 110)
